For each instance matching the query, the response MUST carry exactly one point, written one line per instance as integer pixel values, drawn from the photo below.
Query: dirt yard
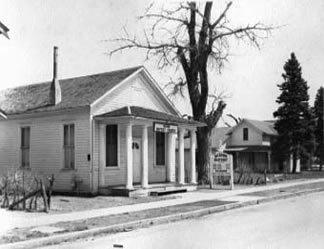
(65, 204)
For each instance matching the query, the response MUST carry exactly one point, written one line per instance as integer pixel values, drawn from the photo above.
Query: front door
(137, 160)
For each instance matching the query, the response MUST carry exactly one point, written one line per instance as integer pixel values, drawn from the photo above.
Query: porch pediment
(144, 113)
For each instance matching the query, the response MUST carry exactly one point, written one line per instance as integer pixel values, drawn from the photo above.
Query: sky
(82, 29)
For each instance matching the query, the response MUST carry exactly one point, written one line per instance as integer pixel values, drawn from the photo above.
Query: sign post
(221, 169)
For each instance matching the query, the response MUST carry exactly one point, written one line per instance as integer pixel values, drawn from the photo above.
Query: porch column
(269, 161)
(102, 148)
(193, 156)
(129, 157)
(144, 156)
(171, 157)
(181, 179)
(298, 166)
(291, 163)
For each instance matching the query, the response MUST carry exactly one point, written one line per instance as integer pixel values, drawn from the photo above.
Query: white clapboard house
(114, 132)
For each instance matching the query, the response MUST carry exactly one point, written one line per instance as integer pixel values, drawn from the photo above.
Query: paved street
(291, 223)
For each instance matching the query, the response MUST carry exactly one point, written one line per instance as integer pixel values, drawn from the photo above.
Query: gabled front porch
(145, 152)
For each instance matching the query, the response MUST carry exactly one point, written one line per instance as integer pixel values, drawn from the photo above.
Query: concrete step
(158, 189)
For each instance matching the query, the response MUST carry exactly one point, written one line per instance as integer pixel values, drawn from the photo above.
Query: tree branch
(221, 16)
(213, 117)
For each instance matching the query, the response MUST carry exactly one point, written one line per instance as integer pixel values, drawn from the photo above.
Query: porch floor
(153, 189)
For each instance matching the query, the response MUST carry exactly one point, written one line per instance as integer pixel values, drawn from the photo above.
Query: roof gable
(76, 92)
(140, 89)
(266, 127)
(137, 90)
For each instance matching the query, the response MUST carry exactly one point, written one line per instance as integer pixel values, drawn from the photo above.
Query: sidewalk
(14, 220)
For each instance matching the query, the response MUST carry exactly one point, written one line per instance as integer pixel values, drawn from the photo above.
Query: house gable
(236, 135)
(137, 90)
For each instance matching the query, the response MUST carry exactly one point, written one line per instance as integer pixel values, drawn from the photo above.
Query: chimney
(55, 91)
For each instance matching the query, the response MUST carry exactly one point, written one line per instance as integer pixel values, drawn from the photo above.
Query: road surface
(292, 223)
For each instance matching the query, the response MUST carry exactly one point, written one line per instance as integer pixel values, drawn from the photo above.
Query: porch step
(154, 190)
(167, 192)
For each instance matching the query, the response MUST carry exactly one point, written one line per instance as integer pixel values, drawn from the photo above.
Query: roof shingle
(266, 127)
(136, 111)
(76, 92)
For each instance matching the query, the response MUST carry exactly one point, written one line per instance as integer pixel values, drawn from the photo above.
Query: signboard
(221, 169)
(165, 128)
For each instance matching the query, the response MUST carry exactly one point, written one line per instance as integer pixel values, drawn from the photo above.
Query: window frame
(69, 146)
(117, 147)
(245, 134)
(155, 150)
(25, 148)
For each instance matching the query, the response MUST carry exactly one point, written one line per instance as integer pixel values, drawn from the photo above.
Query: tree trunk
(203, 152)
(43, 190)
(295, 159)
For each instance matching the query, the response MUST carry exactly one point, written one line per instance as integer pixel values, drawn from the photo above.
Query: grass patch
(66, 204)
(22, 234)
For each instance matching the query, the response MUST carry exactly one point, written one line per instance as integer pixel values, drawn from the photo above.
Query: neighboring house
(250, 144)
(218, 137)
(115, 129)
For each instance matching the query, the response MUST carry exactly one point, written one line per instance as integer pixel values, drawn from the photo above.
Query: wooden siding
(46, 148)
(9, 146)
(136, 92)
(255, 136)
(156, 173)
(117, 175)
(114, 176)
(95, 155)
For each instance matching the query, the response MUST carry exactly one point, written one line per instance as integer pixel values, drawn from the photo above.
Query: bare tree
(237, 120)
(187, 36)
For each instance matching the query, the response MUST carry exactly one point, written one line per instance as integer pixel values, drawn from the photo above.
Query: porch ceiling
(253, 148)
(140, 112)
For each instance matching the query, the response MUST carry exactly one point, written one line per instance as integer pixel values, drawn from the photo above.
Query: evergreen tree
(319, 128)
(294, 118)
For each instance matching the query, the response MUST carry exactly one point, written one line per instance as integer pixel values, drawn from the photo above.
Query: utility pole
(4, 30)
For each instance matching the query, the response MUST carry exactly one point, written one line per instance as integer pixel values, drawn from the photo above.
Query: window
(160, 148)
(69, 146)
(245, 134)
(111, 145)
(25, 147)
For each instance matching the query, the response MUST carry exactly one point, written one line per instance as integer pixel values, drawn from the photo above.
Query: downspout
(91, 153)
(99, 158)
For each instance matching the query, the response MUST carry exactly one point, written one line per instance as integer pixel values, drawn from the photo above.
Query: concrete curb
(290, 195)
(56, 239)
